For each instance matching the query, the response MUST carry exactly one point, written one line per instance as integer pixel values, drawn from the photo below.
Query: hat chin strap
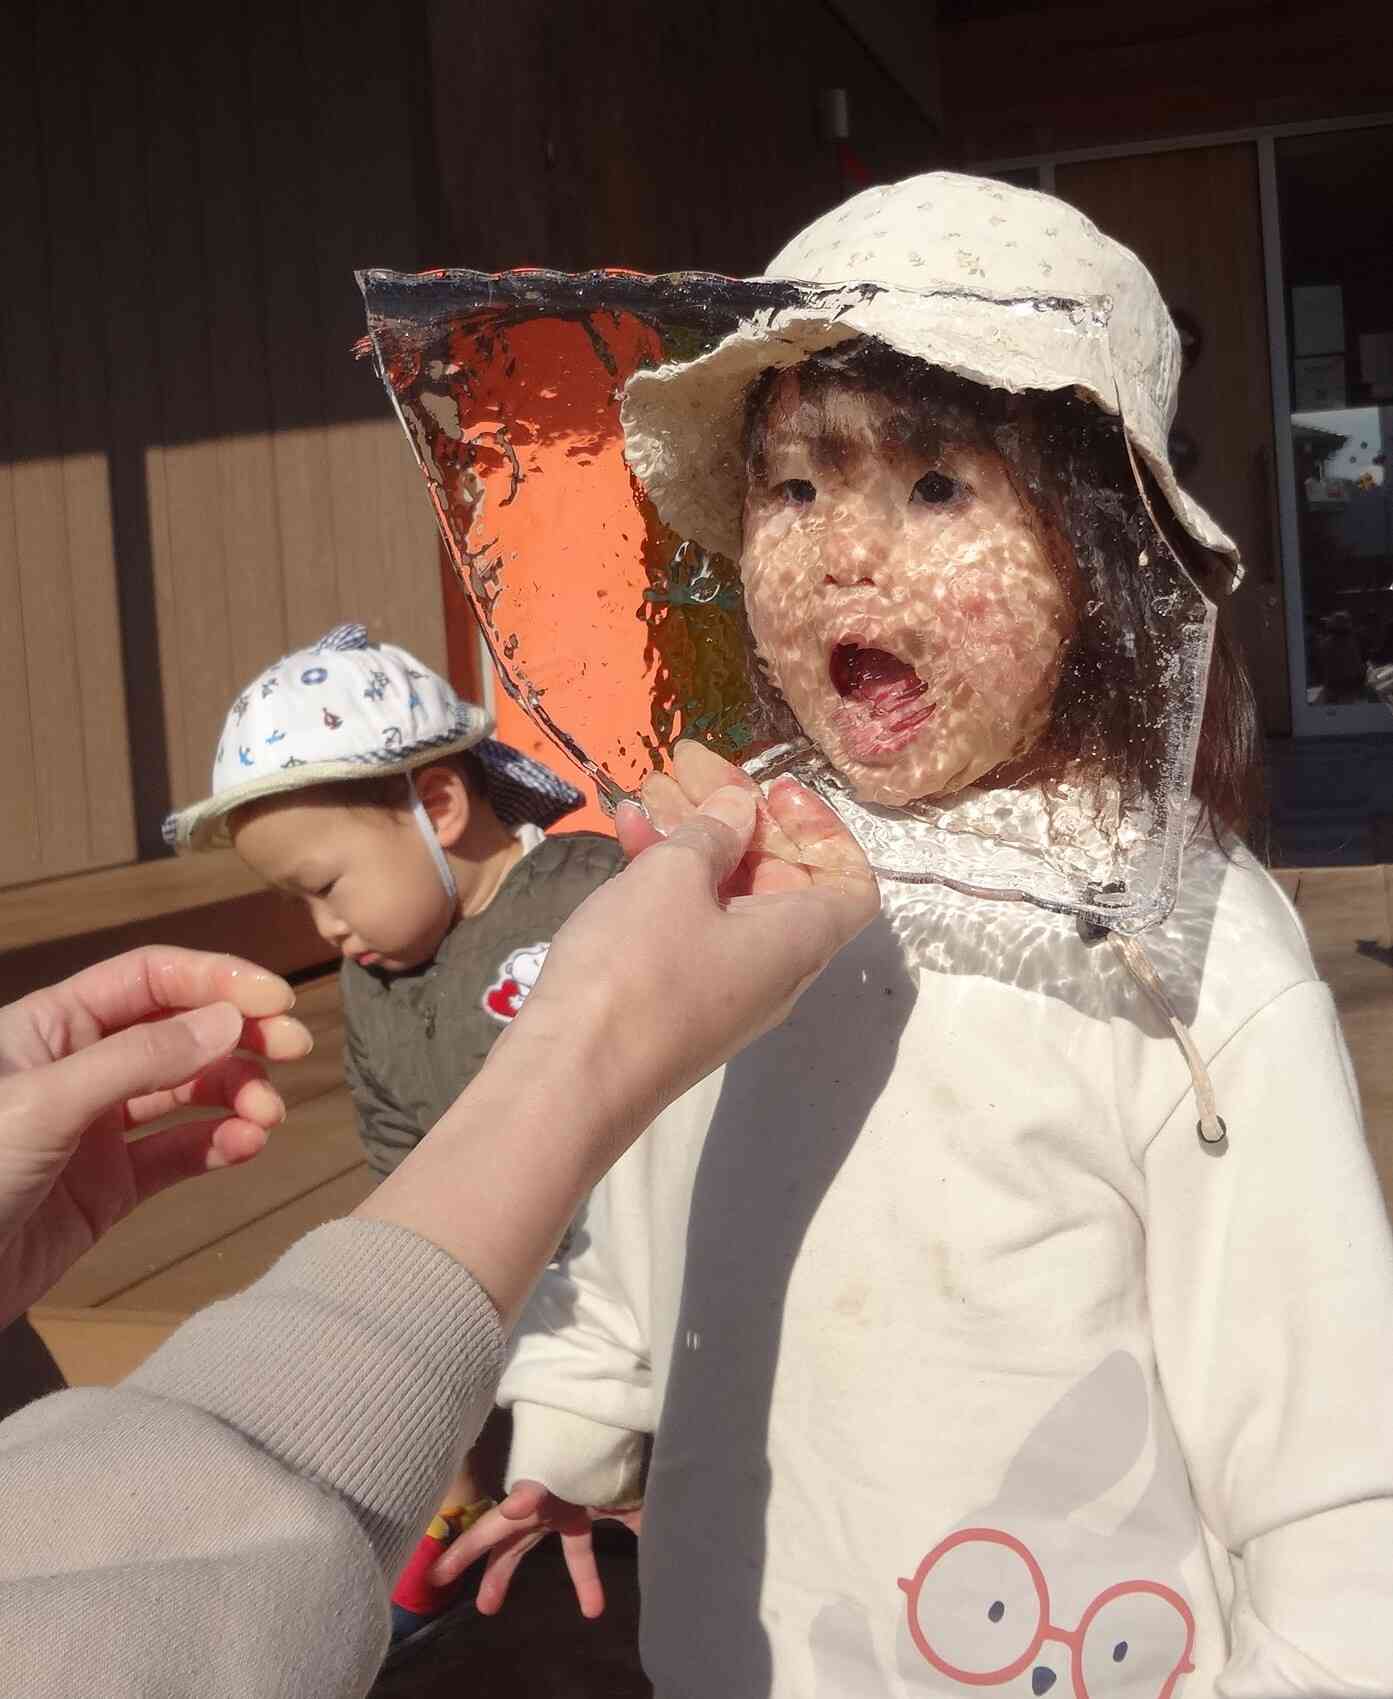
(427, 831)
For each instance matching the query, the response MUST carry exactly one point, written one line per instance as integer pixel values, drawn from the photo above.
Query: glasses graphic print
(978, 1610)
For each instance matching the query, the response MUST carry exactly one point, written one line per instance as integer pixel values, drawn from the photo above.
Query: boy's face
(900, 595)
(371, 885)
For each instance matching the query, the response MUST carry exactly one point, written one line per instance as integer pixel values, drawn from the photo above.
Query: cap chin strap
(427, 831)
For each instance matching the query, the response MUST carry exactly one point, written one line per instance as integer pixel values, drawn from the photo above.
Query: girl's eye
(934, 488)
(324, 890)
(797, 492)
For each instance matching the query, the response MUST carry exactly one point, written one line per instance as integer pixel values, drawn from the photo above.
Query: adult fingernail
(260, 1102)
(286, 1039)
(259, 991)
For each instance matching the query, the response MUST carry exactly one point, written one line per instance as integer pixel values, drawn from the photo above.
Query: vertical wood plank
(36, 479)
(200, 652)
(80, 372)
(285, 184)
(341, 53)
(123, 248)
(407, 584)
(19, 841)
(362, 136)
(241, 403)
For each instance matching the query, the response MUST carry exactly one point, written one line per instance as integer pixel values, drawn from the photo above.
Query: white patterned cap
(348, 708)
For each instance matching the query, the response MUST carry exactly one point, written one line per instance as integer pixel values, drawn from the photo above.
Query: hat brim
(684, 423)
(204, 825)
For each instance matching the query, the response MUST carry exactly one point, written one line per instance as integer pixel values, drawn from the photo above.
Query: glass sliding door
(1333, 379)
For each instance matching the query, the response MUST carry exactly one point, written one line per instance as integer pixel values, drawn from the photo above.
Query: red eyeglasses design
(979, 1612)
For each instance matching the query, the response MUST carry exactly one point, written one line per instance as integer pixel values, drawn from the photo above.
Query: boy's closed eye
(297, 892)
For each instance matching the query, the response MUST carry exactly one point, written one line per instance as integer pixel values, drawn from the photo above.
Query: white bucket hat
(1006, 287)
(348, 708)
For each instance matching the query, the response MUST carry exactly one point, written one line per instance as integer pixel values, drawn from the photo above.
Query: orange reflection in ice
(611, 634)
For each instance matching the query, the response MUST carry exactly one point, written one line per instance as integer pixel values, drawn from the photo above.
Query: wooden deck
(207, 1239)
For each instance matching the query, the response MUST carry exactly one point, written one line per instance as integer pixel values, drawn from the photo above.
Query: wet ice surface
(893, 626)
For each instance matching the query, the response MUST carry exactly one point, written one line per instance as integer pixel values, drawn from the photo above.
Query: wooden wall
(195, 475)
(656, 137)
(1024, 78)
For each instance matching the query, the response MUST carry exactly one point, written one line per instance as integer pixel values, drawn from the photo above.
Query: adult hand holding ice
(797, 843)
(719, 939)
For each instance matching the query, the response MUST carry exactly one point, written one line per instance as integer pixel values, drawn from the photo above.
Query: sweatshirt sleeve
(228, 1519)
(1271, 1289)
(579, 1381)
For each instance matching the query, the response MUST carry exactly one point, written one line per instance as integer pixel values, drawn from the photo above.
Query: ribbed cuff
(365, 1359)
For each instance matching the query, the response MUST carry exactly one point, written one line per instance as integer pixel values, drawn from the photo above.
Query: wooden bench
(211, 902)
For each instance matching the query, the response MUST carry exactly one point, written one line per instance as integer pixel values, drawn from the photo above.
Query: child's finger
(519, 1513)
(697, 774)
(822, 840)
(463, 1552)
(772, 874)
(579, 1551)
(699, 771)
(498, 1576)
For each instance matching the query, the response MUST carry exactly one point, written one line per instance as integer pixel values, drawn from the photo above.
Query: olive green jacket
(413, 1041)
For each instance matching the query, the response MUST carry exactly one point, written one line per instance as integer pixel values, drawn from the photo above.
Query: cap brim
(684, 423)
(204, 825)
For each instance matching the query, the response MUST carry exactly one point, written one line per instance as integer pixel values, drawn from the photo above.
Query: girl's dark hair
(1114, 705)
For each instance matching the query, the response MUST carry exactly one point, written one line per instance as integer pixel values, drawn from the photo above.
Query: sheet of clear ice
(618, 637)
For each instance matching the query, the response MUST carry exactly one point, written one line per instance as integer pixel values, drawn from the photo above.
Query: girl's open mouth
(885, 700)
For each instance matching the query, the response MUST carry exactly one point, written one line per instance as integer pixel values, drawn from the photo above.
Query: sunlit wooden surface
(203, 1241)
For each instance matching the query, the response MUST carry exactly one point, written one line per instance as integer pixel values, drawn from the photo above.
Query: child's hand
(508, 1533)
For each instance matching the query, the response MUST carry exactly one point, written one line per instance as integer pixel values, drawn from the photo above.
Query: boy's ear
(445, 797)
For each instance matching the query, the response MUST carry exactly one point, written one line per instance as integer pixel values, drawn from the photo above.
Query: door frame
(1307, 720)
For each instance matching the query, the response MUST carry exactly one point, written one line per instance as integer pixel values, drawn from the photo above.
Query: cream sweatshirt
(970, 1369)
(227, 1521)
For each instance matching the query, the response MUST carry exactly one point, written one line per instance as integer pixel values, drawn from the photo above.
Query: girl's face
(900, 595)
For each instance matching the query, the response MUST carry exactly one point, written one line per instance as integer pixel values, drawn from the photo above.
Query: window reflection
(1337, 257)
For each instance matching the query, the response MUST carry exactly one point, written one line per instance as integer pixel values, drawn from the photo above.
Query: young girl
(980, 1370)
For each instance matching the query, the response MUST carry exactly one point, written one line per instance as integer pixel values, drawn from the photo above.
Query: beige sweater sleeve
(227, 1520)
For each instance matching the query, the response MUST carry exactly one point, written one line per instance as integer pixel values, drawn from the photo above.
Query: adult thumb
(719, 831)
(151, 1056)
